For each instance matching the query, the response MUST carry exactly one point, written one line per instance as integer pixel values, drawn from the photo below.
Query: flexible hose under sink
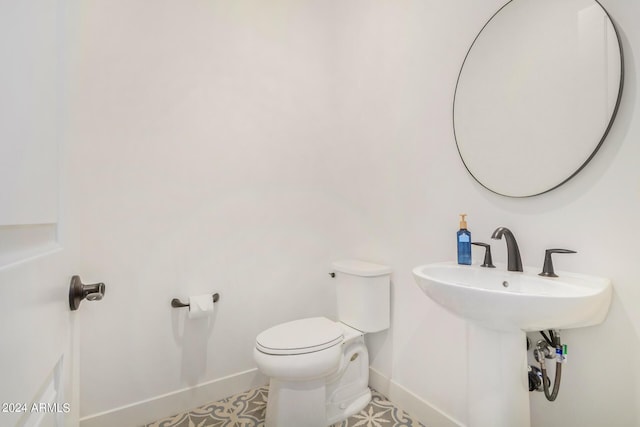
(555, 342)
(556, 382)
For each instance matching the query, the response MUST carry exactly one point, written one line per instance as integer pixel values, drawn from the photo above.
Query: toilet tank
(363, 293)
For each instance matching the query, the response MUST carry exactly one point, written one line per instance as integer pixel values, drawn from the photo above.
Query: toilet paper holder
(176, 303)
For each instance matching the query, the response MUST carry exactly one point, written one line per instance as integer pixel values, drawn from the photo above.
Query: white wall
(197, 137)
(241, 146)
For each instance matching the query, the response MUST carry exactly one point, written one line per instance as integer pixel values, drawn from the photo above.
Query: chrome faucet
(514, 262)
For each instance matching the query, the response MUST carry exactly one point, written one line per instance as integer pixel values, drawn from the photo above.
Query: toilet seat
(300, 337)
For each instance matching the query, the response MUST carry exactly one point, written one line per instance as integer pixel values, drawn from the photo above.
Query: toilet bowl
(319, 372)
(319, 368)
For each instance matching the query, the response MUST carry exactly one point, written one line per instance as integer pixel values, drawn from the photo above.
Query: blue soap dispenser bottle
(464, 242)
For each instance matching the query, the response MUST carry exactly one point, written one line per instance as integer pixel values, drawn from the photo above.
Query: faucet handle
(547, 268)
(488, 262)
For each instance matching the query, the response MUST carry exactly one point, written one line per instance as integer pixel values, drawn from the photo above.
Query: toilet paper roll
(200, 306)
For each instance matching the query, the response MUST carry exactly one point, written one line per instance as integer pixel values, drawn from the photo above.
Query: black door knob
(79, 291)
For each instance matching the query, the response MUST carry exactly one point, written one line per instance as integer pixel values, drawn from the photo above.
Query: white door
(37, 340)
(37, 357)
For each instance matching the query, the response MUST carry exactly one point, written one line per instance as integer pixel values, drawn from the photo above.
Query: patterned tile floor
(247, 410)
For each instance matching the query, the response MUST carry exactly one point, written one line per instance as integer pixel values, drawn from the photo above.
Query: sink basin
(505, 300)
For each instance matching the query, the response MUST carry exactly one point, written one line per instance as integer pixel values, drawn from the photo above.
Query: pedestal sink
(500, 306)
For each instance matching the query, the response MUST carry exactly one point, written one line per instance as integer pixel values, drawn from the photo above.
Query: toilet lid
(300, 336)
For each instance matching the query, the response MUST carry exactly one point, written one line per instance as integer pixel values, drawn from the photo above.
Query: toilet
(318, 368)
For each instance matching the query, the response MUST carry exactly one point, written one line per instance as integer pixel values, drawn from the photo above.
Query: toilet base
(323, 401)
(348, 389)
(296, 403)
(346, 409)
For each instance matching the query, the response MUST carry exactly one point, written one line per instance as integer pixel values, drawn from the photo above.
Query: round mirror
(537, 94)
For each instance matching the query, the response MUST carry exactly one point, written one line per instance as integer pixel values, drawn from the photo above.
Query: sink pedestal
(498, 388)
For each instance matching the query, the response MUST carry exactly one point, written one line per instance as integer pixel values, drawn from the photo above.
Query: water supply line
(542, 352)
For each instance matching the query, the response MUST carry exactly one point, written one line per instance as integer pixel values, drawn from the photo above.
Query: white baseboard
(418, 408)
(176, 402)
